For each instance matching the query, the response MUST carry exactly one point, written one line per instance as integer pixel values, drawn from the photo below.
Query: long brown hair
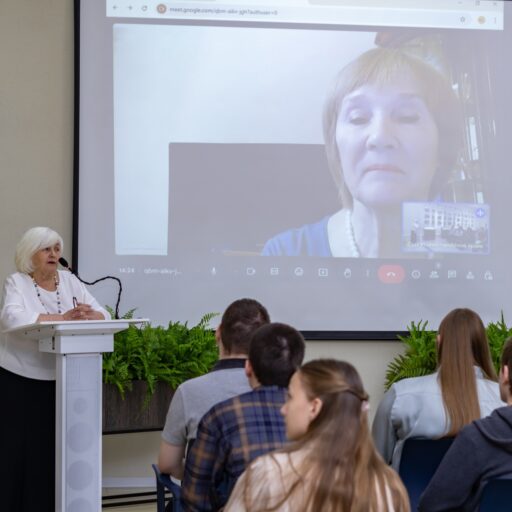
(346, 472)
(462, 345)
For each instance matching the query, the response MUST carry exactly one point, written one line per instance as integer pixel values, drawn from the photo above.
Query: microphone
(66, 265)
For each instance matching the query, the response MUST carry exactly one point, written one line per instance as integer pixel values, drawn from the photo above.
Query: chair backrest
(497, 496)
(163, 483)
(420, 459)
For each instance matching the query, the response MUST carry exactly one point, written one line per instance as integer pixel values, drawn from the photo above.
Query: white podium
(78, 348)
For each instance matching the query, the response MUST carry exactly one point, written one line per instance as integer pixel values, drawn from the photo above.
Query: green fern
(497, 334)
(420, 355)
(158, 354)
(127, 316)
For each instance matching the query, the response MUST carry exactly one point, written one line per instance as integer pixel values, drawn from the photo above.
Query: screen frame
(310, 335)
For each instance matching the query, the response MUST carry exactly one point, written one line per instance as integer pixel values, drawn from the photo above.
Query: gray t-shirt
(195, 397)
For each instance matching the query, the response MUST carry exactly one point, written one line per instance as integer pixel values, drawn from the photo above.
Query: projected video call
(392, 115)
(338, 149)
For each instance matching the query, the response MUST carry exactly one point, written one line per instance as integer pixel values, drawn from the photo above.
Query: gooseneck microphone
(65, 264)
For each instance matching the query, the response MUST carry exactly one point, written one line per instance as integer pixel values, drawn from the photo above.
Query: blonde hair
(381, 66)
(32, 241)
(346, 472)
(462, 344)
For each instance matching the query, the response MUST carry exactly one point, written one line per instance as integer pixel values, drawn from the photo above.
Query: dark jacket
(480, 452)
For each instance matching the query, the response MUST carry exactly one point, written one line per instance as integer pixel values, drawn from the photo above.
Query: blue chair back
(497, 496)
(163, 483)
(420, 459)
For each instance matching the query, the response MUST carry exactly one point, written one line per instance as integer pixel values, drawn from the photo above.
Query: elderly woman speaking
(38, 292)
(393, 133)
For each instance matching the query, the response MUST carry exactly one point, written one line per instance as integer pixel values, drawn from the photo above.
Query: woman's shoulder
(488, 390)
(69, 285)
(341, 235)
(265, 483)
(483, 381)
(18, 278)
(271, 461)
(415, 382)
(65, 275)
(424, 383)
(68, 279)
(280, 464)
(307, 240)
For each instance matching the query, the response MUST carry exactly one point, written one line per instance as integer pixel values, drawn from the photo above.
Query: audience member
(332, 464)
(227, 379)
(236, 431)
(480, 452)
(463, 389)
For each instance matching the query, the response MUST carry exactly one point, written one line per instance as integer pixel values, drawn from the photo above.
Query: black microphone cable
(65, 264)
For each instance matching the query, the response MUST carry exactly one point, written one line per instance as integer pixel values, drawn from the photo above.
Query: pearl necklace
(349, 229)
(36, 286)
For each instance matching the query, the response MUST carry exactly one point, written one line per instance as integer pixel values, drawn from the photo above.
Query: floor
(150, 507)
(146, 507)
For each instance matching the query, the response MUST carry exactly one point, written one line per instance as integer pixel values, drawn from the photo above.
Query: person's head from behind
(276, 351)
(326, 413)
(392, 129)
(506, 372)
(38, 249)
(461, 345)
(462, 341)
(239, 321)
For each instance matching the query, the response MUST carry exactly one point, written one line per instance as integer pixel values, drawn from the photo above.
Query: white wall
(36, 120)
(36, 149)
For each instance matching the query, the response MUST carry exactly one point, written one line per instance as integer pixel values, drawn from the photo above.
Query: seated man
(480, 452)
(227, 378)
(238, 430)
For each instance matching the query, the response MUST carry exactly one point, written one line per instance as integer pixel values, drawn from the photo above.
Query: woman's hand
(82, 312)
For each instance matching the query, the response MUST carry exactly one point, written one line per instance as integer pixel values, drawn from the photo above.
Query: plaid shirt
(230, 435)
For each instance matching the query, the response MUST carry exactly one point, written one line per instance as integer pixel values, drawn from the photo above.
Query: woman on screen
(331, 463)
(38, 292)
(464, 388)
(392, 130)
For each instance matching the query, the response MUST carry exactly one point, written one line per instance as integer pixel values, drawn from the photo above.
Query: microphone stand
(65, 264)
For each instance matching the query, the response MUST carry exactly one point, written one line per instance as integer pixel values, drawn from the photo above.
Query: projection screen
(344, 162)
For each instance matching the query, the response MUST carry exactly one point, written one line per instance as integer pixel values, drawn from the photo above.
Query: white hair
(32, 241)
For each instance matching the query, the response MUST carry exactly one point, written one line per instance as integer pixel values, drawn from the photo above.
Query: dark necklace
(40, 298)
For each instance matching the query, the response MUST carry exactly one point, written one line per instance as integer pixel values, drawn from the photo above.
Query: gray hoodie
(480, 452)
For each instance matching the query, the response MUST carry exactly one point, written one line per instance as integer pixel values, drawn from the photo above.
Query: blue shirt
(308, 240)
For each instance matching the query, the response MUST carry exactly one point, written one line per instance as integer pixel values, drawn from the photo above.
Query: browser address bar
(306, 13)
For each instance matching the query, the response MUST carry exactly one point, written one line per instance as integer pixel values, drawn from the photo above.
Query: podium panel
(79, 417)
(78, 348)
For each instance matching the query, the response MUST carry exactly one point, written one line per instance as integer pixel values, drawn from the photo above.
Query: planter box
(130, 415)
